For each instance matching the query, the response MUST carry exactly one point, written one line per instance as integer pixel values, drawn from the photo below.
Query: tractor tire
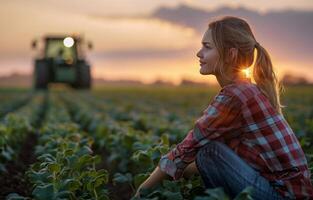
(41, 74)
(83, 76)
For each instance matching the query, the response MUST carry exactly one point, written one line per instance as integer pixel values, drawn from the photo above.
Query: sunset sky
(131, 41)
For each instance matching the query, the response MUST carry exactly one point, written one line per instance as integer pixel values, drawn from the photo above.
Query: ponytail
(265, 78)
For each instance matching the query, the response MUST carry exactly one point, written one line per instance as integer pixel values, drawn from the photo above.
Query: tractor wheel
(83, 76)
(41, 74)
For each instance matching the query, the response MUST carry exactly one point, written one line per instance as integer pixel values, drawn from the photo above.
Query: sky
(128, 42)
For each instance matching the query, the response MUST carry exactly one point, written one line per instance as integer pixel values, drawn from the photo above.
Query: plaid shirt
(242, 117)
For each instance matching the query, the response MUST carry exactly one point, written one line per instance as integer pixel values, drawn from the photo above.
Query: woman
(242, 138)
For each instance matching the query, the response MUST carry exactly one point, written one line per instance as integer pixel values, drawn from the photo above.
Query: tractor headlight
(68, 42)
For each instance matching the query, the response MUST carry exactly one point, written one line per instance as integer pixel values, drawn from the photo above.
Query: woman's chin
(204, 72)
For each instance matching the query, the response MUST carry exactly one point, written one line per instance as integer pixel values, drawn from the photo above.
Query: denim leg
(219, 166)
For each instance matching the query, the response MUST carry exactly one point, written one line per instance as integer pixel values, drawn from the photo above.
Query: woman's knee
(206, 153)
(212, 148)
(211, 153)
(208, 164)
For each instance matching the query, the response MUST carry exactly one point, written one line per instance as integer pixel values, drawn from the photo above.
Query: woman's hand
(155, 178)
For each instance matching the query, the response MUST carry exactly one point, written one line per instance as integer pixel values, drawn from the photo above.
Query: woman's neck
(234, 78)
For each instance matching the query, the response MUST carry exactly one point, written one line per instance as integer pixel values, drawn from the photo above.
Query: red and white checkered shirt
(242, 117)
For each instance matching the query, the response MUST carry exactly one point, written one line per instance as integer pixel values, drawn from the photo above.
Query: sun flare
(247, 72)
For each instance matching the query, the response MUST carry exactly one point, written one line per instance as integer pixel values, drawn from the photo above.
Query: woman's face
(208, 54)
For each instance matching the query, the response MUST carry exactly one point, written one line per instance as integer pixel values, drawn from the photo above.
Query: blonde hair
(233, 32)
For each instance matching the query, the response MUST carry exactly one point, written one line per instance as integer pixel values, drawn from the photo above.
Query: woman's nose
(198, 54)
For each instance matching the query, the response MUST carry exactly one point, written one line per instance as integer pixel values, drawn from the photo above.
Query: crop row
(15, 126)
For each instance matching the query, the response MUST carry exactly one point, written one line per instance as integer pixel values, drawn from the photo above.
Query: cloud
(287, 34)
(142, 54)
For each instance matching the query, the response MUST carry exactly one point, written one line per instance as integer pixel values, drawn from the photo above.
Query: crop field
(103, 143)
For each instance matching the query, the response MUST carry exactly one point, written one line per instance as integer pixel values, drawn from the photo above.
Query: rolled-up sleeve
(220, 121)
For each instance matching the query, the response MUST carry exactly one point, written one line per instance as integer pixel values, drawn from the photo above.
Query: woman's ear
(232, 56)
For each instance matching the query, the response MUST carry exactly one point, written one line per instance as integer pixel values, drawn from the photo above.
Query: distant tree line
(290, 79)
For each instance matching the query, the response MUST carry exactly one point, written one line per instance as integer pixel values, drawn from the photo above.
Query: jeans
(219, 166)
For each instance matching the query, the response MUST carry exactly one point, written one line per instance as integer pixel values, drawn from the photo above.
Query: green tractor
(62, 61)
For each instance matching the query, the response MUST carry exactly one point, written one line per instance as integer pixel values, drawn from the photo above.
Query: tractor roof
(61, 37)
